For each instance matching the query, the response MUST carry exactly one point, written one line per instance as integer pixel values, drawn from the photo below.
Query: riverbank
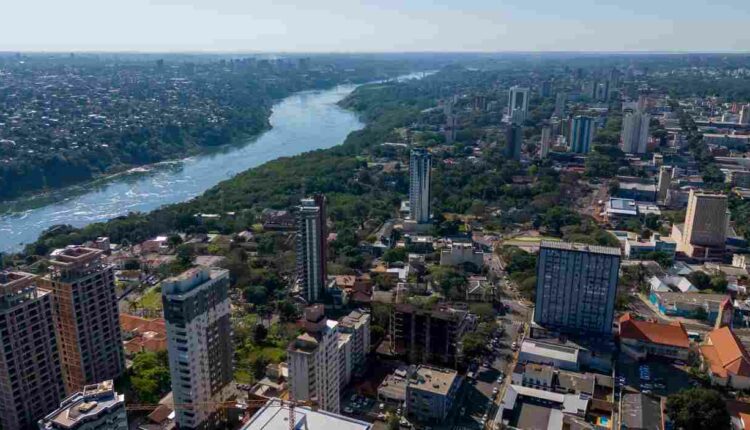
(300, 123)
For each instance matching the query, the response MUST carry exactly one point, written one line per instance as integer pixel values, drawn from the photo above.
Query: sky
(374, 25)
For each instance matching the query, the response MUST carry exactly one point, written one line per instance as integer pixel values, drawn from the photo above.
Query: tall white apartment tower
(518, 104)
(635, 132)
(420, 163)
(314, 362)
(546, 141)
(199, 341)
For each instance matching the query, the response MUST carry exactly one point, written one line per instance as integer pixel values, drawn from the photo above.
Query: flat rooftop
(580, 247)
(275, 416)
(433, 379)
(94, 400)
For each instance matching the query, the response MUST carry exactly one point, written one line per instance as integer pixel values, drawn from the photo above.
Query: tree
(185, 254)
(149, 376)
(395, 254)
(698, 408)
(259, 333)
(174, 240)
(393, 422)
(700, 279)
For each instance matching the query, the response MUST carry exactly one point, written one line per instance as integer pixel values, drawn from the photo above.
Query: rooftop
(95, 400)
(433, 379)
(580, 247)
(725, 353)
(275, 416)
(646, 331)
(554, 351)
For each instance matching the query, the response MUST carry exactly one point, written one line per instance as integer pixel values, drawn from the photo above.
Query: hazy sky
(375, 25)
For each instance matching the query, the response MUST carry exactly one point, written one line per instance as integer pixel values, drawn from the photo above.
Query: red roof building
(143, 334)
(726, 359)
(639, 339)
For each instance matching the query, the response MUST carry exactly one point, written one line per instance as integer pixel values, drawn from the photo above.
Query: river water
(301, 122)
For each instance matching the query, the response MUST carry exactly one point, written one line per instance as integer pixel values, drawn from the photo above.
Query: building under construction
(430, 335)
(86, 316)
(31, 381)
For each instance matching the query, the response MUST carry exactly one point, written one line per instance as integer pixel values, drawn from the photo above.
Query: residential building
(480, 289)
(344, 346)
(513, 141)
(576, 287)
(745, 115)
(86, 316)
(431, 393)
(430, 335)
(518, 104)
(199, 341)
(726, 359)
(560, 99)
(738, 178)
(31, 381)
(420, 164)
(142, 334)
(641, 339)
(582, 131)
(635, 132)
(704, 234)
(458, 253)
(96, 407)
(312, 247)
(357, 323)
(275, 416)
(314, 362)
(665, 182)
(546, 141)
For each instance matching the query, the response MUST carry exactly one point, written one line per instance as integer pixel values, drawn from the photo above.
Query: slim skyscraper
(513, 141)
(199, 341)
(312, 247)
(635, 132)
(518, 104)
(546, 141)
(86, 316)
(582, 131)
(560, 100)
(31, 382)
(420, 164)
(576, 287)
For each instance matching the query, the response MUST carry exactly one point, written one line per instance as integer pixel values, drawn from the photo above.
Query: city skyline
(375, 26)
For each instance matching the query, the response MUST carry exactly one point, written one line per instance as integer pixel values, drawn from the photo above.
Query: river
(302, 122)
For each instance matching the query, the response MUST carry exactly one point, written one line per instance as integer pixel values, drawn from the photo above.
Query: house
(641, 339)
(725, 359)
(142, 334)
(672, 284)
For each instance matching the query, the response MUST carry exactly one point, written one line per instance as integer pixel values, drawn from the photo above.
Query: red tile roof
(725, 353)
(663, 334)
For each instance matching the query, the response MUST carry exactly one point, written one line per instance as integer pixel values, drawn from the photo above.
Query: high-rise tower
(86, 316)
(635, 132)
(581, 134)
(199, 341)
(420, 164)
(312, 247)
(31, 382)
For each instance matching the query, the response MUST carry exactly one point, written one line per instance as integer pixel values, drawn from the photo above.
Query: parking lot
(653, 377)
